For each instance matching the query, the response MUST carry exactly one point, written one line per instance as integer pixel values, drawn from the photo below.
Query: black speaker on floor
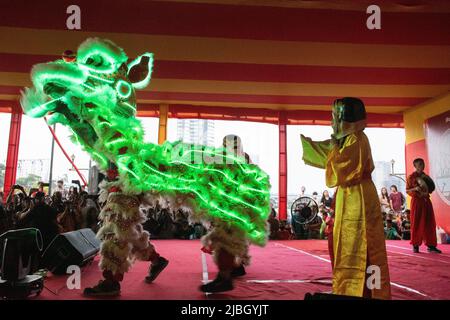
(330, 296)
(70, 248)
(19, 258)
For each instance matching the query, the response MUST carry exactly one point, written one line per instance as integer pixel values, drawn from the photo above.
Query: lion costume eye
(123, 89)
(100, 56)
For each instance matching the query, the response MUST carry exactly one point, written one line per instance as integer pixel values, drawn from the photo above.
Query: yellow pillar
(163, 115)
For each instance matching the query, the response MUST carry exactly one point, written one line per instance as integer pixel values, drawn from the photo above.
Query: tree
(30, 181)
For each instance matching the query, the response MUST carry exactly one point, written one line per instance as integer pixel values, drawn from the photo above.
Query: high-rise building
(196, 131)
(39, 167)
(382, 177)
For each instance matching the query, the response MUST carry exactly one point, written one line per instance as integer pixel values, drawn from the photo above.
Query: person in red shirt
(397, 200)
(423, 225)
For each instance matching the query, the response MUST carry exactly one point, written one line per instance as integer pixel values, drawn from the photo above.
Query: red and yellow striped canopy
(248, 59)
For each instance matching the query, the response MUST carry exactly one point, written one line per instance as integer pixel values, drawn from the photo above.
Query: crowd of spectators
(70, 209)
(163, 223)
(396, 218)
(315, 227)
(73, 208)
(61, 212)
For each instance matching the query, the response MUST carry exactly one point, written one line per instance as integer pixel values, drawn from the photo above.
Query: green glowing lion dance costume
(94, 95)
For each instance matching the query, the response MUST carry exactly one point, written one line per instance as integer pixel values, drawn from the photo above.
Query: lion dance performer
(93, 93)
(123, 238)
(228, 244)
(423, 225)
(358, 236)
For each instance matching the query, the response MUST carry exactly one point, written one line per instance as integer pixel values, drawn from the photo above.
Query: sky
(260, 141)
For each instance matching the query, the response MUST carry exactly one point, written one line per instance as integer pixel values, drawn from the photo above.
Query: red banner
(438, 145)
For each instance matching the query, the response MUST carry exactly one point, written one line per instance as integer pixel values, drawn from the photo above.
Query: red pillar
(13, 148)
(282, 166)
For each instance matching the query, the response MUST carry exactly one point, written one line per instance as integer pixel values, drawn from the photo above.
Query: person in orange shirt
(358, 233)
(423, 226)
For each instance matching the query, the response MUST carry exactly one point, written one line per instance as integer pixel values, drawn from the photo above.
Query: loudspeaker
(329, 296)
(70, 248)
(20, 251)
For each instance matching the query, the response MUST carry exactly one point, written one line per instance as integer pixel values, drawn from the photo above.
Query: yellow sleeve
(315, 153)
(347, 165)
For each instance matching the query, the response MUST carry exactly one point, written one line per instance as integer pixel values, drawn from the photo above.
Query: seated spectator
(199, 231)
(314, 228)
(390, 232)
(299, 217)
(40, 216)
(183, 229)
(329, 222)
(285, 232)
(393, 218)
(398, 223)
(274, 225)
(299, 230)
(406, 226)
(151, 224)
(166, 225)
(323, 214)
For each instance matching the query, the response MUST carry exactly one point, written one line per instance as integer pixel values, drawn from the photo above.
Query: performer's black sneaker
(433, 249)
(155, 269)
(416, 249)
(103, 288)
(218, 285)
(238, 271)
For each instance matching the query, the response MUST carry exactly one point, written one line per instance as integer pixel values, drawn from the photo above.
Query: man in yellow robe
(359, 244)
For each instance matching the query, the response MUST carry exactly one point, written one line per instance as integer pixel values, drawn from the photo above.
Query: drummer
(423, 225)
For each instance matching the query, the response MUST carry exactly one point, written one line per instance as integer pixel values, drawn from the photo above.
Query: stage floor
(282, 270)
